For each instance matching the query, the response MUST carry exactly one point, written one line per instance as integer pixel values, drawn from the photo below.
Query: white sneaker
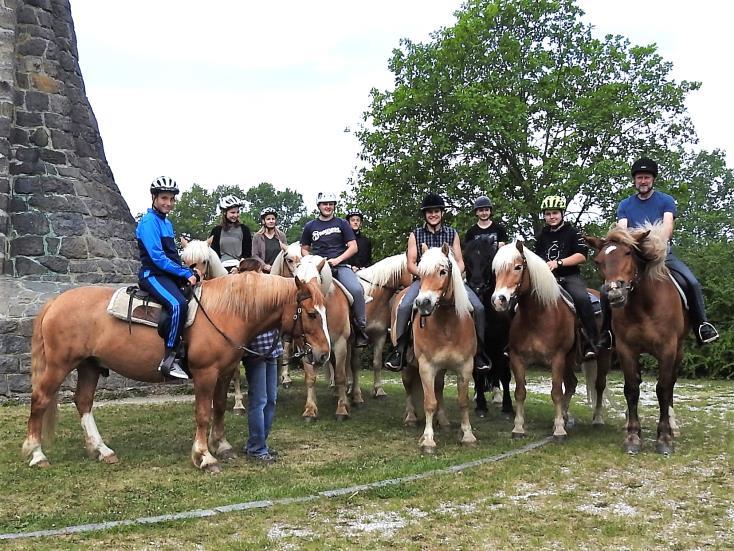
(177, 373)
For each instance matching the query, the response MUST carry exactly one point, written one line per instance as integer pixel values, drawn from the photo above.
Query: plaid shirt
(444, 235)
(264, 342)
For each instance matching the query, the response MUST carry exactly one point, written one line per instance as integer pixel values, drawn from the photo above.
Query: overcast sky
(236, 93)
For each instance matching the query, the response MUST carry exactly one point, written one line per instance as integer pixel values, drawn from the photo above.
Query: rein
(388, 287)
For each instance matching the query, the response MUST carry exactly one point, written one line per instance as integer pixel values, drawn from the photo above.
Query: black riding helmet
(483, 202)
(355, 212)
(645, 165)
(432, 201)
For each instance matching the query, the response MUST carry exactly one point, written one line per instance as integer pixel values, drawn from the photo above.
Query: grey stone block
(36, 101)
(74, 247)
(9, 364)
(27, 245)
(32, 46)
(33, 223)
(57, 185)
(58, 264)
(25, 184)
(39, 137)
(14, 344)
(18, 383)
(25, 266)
(24, 118)
(53, 157)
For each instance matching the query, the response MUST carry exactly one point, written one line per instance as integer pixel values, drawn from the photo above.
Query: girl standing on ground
(269, 239)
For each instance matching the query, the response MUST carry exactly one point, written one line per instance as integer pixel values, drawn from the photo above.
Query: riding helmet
(228, 202)
(164, 183)
(326, 197)
(645, 165)
(483, 202)
(553, 202)
(355, 212)
(268, 210)
(432, 201)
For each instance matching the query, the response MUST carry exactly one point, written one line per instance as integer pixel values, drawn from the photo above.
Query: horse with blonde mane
(647, 317)
(542, 331)
(74, 331)
(444, 339)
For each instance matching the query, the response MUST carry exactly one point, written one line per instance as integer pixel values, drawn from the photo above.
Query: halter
(522, 277)
(443, 292)
(628, 286)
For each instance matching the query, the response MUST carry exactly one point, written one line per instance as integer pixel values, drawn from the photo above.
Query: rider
(363, 258)
(269, 240)
(230, 239)
(162, 272)
(650, 205)
(485, 226)
(561, 245)
(433, 233)
(334, 239)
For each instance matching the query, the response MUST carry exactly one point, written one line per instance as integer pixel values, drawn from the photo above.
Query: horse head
(522, 273)
(200, 256)
(440, 280)
(308, 323)
(478, 256)
(287, 260)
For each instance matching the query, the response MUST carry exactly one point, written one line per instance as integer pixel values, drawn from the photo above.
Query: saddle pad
(567, 299)
(349, 296)
(595, 303)
(144, 311)
(678, 286)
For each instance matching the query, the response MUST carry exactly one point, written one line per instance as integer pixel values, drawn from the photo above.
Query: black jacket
(562, 243)
(363, 258)
(246, 240)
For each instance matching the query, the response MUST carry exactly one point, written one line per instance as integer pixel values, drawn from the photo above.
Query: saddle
(595, 301)
(133, 305)
(681, 285)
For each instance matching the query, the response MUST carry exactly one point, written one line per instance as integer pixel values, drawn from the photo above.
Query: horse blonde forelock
(434, 260)
(248, 295)
(652, 250)
(198, 252)
(385, 273)
(279, 266)
(543, 282)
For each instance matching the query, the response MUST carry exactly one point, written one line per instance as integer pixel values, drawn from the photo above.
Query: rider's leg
(481, 361)
(394, 361)
(606, 339)
(576, 287)
(705, 332)
(349, 279)
(171, 298)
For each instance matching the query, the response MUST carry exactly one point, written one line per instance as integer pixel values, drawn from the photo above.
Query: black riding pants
(576, 287)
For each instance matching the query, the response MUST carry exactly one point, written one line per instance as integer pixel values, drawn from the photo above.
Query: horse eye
(628, 253)
(311, 315)
(443, 272)
(518, 267)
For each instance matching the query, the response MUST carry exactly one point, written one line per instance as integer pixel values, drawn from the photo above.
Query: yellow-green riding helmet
(553, 202)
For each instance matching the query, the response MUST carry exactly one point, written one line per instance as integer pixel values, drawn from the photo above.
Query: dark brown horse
(647, 317)
(75, 332)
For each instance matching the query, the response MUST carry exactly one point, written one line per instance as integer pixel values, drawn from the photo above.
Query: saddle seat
(133, 305)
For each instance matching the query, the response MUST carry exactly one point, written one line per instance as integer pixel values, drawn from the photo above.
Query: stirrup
(713, 333)
(395, 361)
(606, 339)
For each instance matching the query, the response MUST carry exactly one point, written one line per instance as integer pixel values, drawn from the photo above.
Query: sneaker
(360, 337)
(266, 457)
(482, 363)
(171, 369)
(273, 452)
(606, 340)
(707, 333)
(589, 352)
(394, 361)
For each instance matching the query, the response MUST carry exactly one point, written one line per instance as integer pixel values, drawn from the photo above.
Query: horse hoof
(357, 404)
(560, 438)
(518, 435)
(570, 423)
(663, 448)
(44, 464)
(286, 385)
(239, 412)
(481, 413)
(309, 418)
(379, 395)
(110, 459)
(428, 450)
(631, 449)
(468, 443)
(340, 417)
(597, 426)
(227, 455)
(410, 424)
(213, 469)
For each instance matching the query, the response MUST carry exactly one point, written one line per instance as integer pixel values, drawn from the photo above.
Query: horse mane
(543, 282)
(433, 260)
(652, 250)
(325, 276)
(278, 266)
(197, 251)
(248, 295)
(385, 273)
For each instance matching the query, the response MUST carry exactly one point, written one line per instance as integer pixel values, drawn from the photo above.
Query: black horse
(478, 256)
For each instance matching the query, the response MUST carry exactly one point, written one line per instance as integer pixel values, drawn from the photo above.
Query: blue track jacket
(158, 253)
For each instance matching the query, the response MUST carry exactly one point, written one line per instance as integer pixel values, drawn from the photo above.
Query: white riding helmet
(229, 201)
(164, 183)
(326, 197)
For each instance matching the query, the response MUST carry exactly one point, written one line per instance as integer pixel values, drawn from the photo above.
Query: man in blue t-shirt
(334, 239)
(649, 205)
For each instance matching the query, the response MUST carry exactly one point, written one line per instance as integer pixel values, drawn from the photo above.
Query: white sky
(232, 92)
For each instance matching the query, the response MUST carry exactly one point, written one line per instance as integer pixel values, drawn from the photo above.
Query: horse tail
(38, 368)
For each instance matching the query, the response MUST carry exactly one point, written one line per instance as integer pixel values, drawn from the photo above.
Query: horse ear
(445, 249)
(519, 246)
(594, 242)
(320, 265)
(299, 283)
(424, 247)
(640, 237)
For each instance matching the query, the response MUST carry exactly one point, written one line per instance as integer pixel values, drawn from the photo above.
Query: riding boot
(606, 337)
(482, 363)
(361, 339)
(395, 361)
(170, 366)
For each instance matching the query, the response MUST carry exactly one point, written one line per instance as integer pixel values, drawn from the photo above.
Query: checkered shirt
(264, 342)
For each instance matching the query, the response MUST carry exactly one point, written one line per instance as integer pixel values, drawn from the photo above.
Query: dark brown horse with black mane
(74, 332)
(647, 317)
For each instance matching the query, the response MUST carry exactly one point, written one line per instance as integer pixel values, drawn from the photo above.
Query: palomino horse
(74, 332)
(443, 339)
(478, 256)
(542, 330)
(380, 281)
(647, 317)
(340, 332)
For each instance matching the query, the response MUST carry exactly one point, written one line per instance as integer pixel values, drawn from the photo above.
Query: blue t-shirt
(327, 238)
(637, 211)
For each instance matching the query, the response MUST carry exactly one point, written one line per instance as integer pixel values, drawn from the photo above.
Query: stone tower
(63, 221)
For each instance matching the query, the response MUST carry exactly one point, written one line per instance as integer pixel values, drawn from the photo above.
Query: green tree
(194, 213)
(516, 100)
(288, 203)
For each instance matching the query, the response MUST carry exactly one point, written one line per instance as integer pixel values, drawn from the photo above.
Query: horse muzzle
(425, 305)
(617, 297)
(314, 357)
(500, 302)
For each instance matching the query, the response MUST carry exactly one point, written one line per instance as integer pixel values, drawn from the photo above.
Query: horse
(647, 317)
(73, 331)
(478, 256)
(542, 330)
(443, 338)
(340, 333)
(380, 282)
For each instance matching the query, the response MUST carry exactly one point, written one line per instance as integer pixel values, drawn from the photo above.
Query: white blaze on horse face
(322, 312)
(610, 248)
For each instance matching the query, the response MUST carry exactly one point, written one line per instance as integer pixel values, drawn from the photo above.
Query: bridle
(514, 295)
(628, 286)
(444, 290)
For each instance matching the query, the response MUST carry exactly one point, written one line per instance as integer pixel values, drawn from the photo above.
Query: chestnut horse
(74, 332)
(647, 317)
(542, 331)
(443, 338)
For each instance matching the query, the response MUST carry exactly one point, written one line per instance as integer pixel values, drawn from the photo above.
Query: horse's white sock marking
(93, 438)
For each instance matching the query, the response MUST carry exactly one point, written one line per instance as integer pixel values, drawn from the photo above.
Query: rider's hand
(355, 269)
(333, 262)
(193, 281)
(552, 264)
(267, 268)
(234, 270)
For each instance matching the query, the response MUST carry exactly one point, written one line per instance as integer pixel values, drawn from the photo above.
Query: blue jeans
(262, 393)
(349, 279)
(694, 294)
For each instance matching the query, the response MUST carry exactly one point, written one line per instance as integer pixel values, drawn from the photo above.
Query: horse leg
(518, 370)
(602, 362)
(217, 443)
(378, 345)
(570, 382)
(354, 362)
(428, 376)
(239, 406)
(285, 361)
(86, 384)
(557, 375)
(310, 411)
(205, 381)
(408, 377)
(632, 379)
(480, 387)
(463, 376)
(441, 418)
(340, 380)
(502, 365)
(664, 390)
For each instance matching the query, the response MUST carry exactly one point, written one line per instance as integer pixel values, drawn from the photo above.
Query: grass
(585, 493)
